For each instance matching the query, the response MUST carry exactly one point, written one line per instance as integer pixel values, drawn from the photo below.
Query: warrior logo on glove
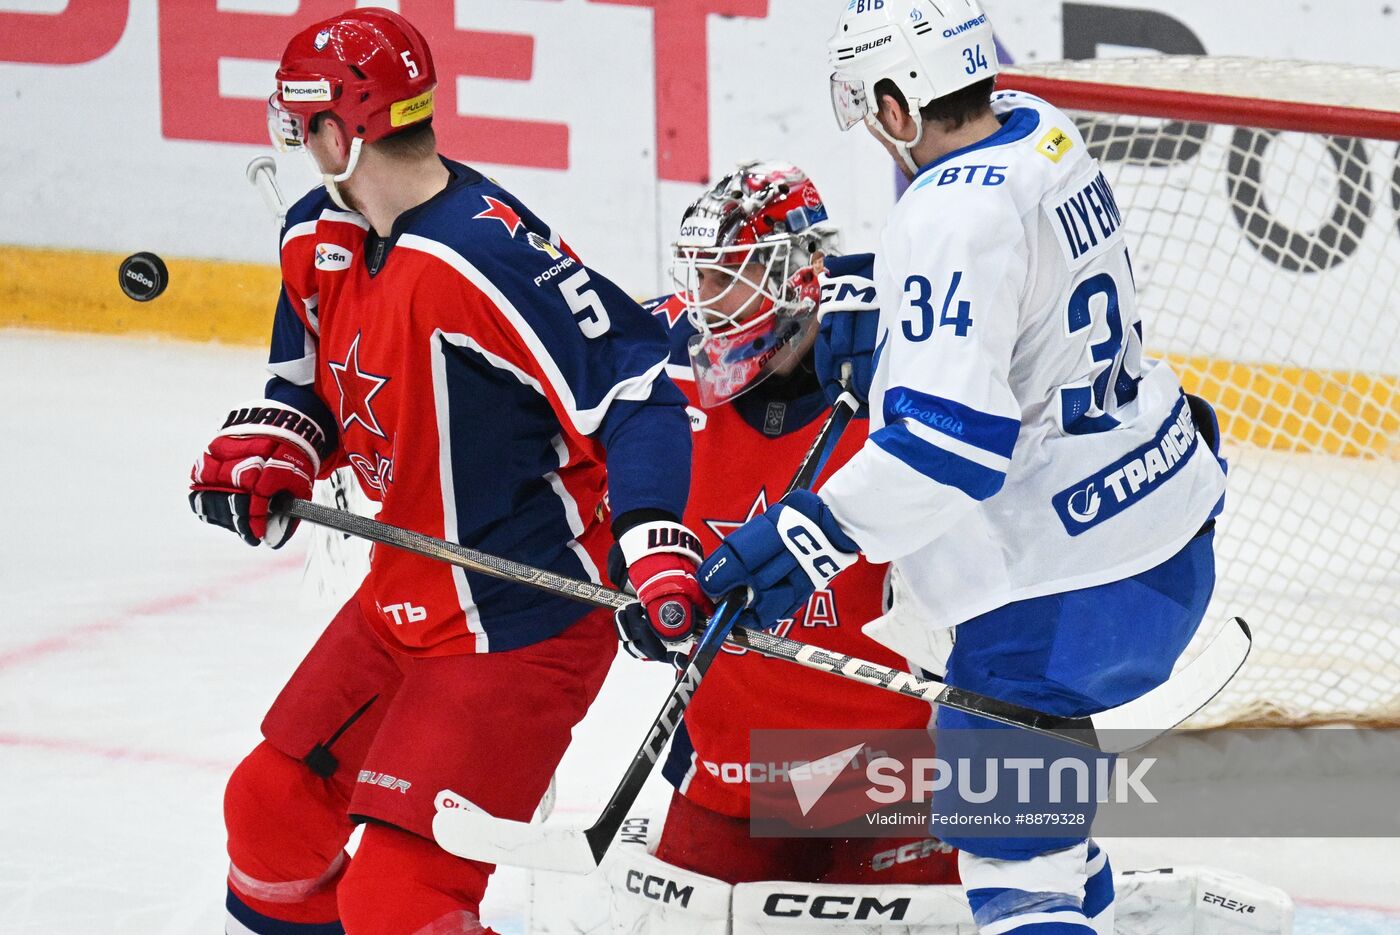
(661, 558)
(263, 449)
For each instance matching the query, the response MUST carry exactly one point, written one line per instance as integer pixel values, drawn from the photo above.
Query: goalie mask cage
(1262, 204)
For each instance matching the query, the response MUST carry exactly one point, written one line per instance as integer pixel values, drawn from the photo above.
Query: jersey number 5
(589, 314)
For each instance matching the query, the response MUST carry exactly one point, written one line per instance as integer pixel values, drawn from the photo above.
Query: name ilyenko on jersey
(745, 453)
(1020, 445)
(477, 373)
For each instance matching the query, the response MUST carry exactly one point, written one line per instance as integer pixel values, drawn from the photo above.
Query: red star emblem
(357, 388)
(723, 527)
(673, 310)
(495, 208)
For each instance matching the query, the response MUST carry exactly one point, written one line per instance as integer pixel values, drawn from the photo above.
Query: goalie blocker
(638, 894)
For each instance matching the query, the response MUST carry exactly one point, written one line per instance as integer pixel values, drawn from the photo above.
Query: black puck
(143, 276)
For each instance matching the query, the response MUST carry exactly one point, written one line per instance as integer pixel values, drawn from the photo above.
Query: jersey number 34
(1115, 362)
(956, 313)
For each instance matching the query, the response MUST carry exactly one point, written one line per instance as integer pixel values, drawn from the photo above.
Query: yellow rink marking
(1265, 405)
(207, 300)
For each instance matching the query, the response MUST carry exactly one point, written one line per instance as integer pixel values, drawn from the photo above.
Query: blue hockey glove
(781, 557)
(849, 333)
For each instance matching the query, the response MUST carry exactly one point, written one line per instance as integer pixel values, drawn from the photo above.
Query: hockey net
(1262, 202)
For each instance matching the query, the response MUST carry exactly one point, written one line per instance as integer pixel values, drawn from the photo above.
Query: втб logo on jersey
(357, 390)
(331, 257)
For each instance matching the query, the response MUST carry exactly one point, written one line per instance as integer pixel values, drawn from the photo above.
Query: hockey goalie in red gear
(486, 387)
(744, 345)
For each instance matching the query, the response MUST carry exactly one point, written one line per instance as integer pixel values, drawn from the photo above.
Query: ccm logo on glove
(810, 546)
(780, 557)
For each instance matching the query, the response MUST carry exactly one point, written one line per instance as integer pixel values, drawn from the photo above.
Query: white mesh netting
(1268, 268)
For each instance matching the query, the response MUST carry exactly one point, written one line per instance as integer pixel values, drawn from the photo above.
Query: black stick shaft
(601, 833)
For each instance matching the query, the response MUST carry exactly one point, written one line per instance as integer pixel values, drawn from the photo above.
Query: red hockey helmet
(737, 260)
(369, 67)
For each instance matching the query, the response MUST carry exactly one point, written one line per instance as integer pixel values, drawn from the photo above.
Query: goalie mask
(742, 268)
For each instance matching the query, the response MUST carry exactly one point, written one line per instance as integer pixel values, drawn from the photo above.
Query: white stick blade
(1181, 696)
(463, 829)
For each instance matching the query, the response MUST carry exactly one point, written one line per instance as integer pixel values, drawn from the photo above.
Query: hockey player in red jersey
(487, 387)
(744, 348)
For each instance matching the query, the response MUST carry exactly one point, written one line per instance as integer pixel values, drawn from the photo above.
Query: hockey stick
(1116, 730)
(262, 175)
(469, 832)
(461, 828)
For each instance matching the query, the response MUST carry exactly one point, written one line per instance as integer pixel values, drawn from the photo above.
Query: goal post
(1262, 206)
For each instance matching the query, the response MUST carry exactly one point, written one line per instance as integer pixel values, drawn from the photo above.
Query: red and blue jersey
(486, 387)
(745, 453)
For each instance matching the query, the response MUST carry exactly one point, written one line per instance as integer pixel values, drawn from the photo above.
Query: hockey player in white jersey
(1034, 480)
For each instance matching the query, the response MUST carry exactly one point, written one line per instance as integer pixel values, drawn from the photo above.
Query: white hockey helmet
(927, 48)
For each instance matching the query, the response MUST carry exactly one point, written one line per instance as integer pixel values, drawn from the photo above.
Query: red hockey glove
(264, 449)
(661, 559)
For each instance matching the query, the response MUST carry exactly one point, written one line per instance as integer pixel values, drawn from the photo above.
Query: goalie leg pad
(817, 908)
(1200, 901)
(649, 896)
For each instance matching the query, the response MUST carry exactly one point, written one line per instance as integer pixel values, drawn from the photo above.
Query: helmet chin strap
(905, 150)
(332, 181)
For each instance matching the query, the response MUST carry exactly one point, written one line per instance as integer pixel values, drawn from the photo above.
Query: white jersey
(1019, 443)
